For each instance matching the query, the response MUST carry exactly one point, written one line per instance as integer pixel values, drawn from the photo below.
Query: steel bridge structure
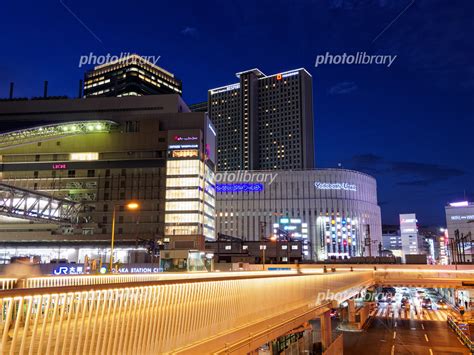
(36, 206)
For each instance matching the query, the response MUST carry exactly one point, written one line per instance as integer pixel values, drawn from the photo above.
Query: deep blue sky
(410, 125)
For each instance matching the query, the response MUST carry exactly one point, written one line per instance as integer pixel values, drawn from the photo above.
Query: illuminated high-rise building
(130, 76)
(411, 243)
(264, 121)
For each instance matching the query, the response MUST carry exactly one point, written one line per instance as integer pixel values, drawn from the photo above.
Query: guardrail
(153, 317)
(464, 338)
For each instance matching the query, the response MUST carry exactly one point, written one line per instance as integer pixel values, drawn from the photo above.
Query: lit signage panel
(462, 218)
(335, 186)
(244, 187)
(459, 204)
(59, 166)
(183, 146)
(185, 138)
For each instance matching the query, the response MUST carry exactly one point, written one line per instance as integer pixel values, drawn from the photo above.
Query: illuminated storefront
(190, 191)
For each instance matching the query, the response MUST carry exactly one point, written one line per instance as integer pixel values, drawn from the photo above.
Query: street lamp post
(131, 206)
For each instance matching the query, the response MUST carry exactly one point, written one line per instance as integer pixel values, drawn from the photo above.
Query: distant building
(264, 122)
(409, 234)
(199, 107)
(460, 223)
(233, 250)
(391, 238)
(130, 76)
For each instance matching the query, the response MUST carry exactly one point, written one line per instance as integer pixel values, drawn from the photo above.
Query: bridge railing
(86, 280)
(7, 283)
(154, 316)
(420, 276)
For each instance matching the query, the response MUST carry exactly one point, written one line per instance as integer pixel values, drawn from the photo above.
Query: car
(426, 303)
(441, 304)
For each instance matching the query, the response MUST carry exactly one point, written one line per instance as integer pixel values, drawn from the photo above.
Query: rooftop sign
(335, 186)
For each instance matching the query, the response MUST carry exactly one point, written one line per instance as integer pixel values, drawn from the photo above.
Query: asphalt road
(386, 336)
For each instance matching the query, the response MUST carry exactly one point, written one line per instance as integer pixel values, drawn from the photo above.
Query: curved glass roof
(53, 131)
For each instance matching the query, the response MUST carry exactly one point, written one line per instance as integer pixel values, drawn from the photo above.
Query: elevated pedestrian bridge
(36, 206)
(199, 315)
(430, 276)
(228, 312)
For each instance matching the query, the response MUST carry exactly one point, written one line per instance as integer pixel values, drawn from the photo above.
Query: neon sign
(59, 166)
(187, 138)
(244, 187)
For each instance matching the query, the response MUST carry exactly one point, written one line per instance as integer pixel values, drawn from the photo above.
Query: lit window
(228, 247)
(84, 156)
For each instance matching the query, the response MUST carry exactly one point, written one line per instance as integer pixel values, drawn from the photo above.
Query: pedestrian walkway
(427, 315)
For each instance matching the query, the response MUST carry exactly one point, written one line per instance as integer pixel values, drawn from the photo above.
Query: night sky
(410, 125)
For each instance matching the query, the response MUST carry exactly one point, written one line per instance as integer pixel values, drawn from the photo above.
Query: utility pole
(263, 225)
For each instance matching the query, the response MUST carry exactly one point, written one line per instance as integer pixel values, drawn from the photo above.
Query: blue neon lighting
(244, 187)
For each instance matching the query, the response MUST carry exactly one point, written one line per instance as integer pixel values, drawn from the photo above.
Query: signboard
(68, 270)
(59, 166)
(335, 186)
(185, 138)
(244, 187)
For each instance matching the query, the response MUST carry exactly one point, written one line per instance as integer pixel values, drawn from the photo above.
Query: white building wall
(294, 194)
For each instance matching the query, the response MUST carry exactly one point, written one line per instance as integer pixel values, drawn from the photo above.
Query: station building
(103, 153)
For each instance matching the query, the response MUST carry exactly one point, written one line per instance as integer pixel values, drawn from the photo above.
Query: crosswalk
(426, 315)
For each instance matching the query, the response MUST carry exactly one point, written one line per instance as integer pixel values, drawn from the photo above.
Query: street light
(131, 206)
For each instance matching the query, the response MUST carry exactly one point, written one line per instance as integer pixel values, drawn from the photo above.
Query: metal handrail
(464, 338)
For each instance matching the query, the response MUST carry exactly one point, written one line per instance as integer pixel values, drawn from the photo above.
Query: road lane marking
(431, 351)
(394, 335)
(426, 338)
(422, 326)
(393, 350)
